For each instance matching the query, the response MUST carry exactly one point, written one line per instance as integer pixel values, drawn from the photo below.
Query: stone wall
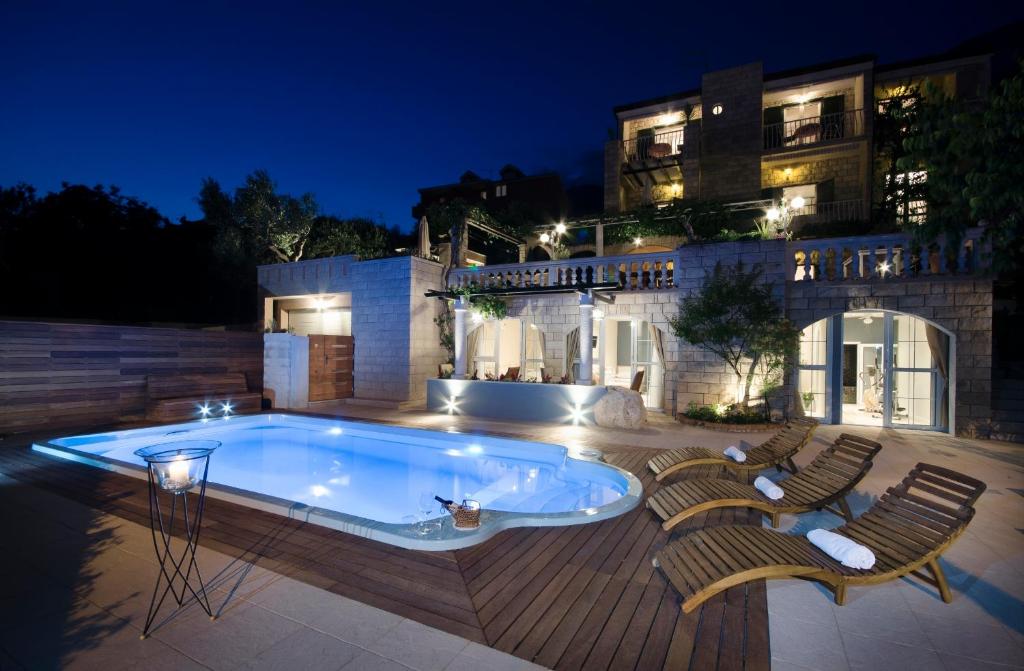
(704, 378)
(425, 351)
(843, 164)
(396, 343)
(963, 306)
(731, 142)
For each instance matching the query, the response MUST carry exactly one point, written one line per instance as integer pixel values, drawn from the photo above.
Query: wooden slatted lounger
(909, 527)
(823, 482)
(775, 451)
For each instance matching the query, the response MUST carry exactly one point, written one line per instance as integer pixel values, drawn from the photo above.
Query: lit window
(907, 196)
(501, 190)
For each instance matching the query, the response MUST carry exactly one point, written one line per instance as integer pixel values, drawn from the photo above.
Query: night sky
(362, 106)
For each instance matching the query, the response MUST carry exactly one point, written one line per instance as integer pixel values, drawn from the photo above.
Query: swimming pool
(369, 479)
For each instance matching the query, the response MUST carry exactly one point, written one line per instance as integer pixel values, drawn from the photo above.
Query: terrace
(288, 592)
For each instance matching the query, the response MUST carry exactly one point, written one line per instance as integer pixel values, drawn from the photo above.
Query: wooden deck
(580, 597)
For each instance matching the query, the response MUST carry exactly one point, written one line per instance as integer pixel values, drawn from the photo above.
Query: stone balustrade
(632, 272)
(887, 257)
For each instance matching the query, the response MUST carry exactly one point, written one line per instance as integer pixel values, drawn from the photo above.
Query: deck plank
(578, 597)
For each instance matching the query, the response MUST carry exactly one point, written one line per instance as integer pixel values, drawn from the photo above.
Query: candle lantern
(176, 471)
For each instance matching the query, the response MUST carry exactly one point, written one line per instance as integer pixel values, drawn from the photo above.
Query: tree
(332, 236)
(257, 218)
(973, 154)
(735, 316)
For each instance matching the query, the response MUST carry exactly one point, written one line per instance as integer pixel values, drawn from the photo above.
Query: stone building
(744, 135)
(892, 334)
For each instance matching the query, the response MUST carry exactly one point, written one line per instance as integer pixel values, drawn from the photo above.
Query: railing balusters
(880, 258)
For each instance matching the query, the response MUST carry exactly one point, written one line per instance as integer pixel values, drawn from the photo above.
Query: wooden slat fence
(56, 375)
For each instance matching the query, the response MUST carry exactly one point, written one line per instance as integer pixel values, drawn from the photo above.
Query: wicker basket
(465, 517)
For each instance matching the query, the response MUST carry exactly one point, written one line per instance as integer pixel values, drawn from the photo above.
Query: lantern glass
(178, 466)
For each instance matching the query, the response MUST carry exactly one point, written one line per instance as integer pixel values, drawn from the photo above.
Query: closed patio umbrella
(424, 239)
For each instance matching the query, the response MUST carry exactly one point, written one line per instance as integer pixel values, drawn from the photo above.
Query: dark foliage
(93, 253)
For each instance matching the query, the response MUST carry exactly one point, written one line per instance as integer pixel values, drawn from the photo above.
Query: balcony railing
(632, 272)
(812, 130)
(838, 210)
(657, 146)
(882, 258)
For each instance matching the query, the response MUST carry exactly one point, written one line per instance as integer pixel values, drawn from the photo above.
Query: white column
(599, 239)
(586, 340)
(460, 339)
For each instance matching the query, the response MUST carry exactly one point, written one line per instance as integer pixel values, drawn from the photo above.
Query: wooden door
(330, 367)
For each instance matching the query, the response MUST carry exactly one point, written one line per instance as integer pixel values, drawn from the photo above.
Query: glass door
(644, 358)
(626, 349)
(917, 378)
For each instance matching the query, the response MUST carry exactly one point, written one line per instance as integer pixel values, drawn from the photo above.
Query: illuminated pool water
(369, 479)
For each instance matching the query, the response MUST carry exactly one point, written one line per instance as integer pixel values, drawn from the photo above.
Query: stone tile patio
(77, 582)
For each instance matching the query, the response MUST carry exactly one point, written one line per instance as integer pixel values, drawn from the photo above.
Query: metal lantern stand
(174, 471)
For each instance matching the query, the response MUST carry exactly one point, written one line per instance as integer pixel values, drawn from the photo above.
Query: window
(496, 346)
(907, 196)
(812, 369)
(809, 192)
(501, 190)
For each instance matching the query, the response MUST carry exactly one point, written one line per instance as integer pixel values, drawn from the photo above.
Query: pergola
(589, 294)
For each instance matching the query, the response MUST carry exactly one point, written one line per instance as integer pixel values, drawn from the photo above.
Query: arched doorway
(877, 368)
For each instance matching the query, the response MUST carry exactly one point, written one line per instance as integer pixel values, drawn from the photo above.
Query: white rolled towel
(842, 549)
(768, 488)
(735, 453)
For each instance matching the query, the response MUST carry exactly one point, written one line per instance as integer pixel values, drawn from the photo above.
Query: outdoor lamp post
(174, 471)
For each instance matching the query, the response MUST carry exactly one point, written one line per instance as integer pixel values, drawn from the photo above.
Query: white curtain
(472, 342)
(659, 345)
(572, 351)
(938, 343)
(534, 348)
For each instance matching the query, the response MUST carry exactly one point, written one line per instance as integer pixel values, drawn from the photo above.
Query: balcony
(813, 130)
(632, 272)
(891, 257)
(656, 147)
(838, 210)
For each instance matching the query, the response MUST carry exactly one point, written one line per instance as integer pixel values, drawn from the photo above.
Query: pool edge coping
(492, 521)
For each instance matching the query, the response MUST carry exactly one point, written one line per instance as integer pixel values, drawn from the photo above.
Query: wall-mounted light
(560, 228)
(452, 404)
(226, 408)
(668, 119)
(797, 202)
(773, 214)
(677, 188)
(577, 414)
(717, 109)
(545, 238)
(638, 241)
(205, 410)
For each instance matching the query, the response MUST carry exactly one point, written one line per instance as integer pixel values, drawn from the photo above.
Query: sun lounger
(776, 451)
(908, 529)
(824, 482)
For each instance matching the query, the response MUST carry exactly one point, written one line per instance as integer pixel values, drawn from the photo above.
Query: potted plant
(808, 399)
